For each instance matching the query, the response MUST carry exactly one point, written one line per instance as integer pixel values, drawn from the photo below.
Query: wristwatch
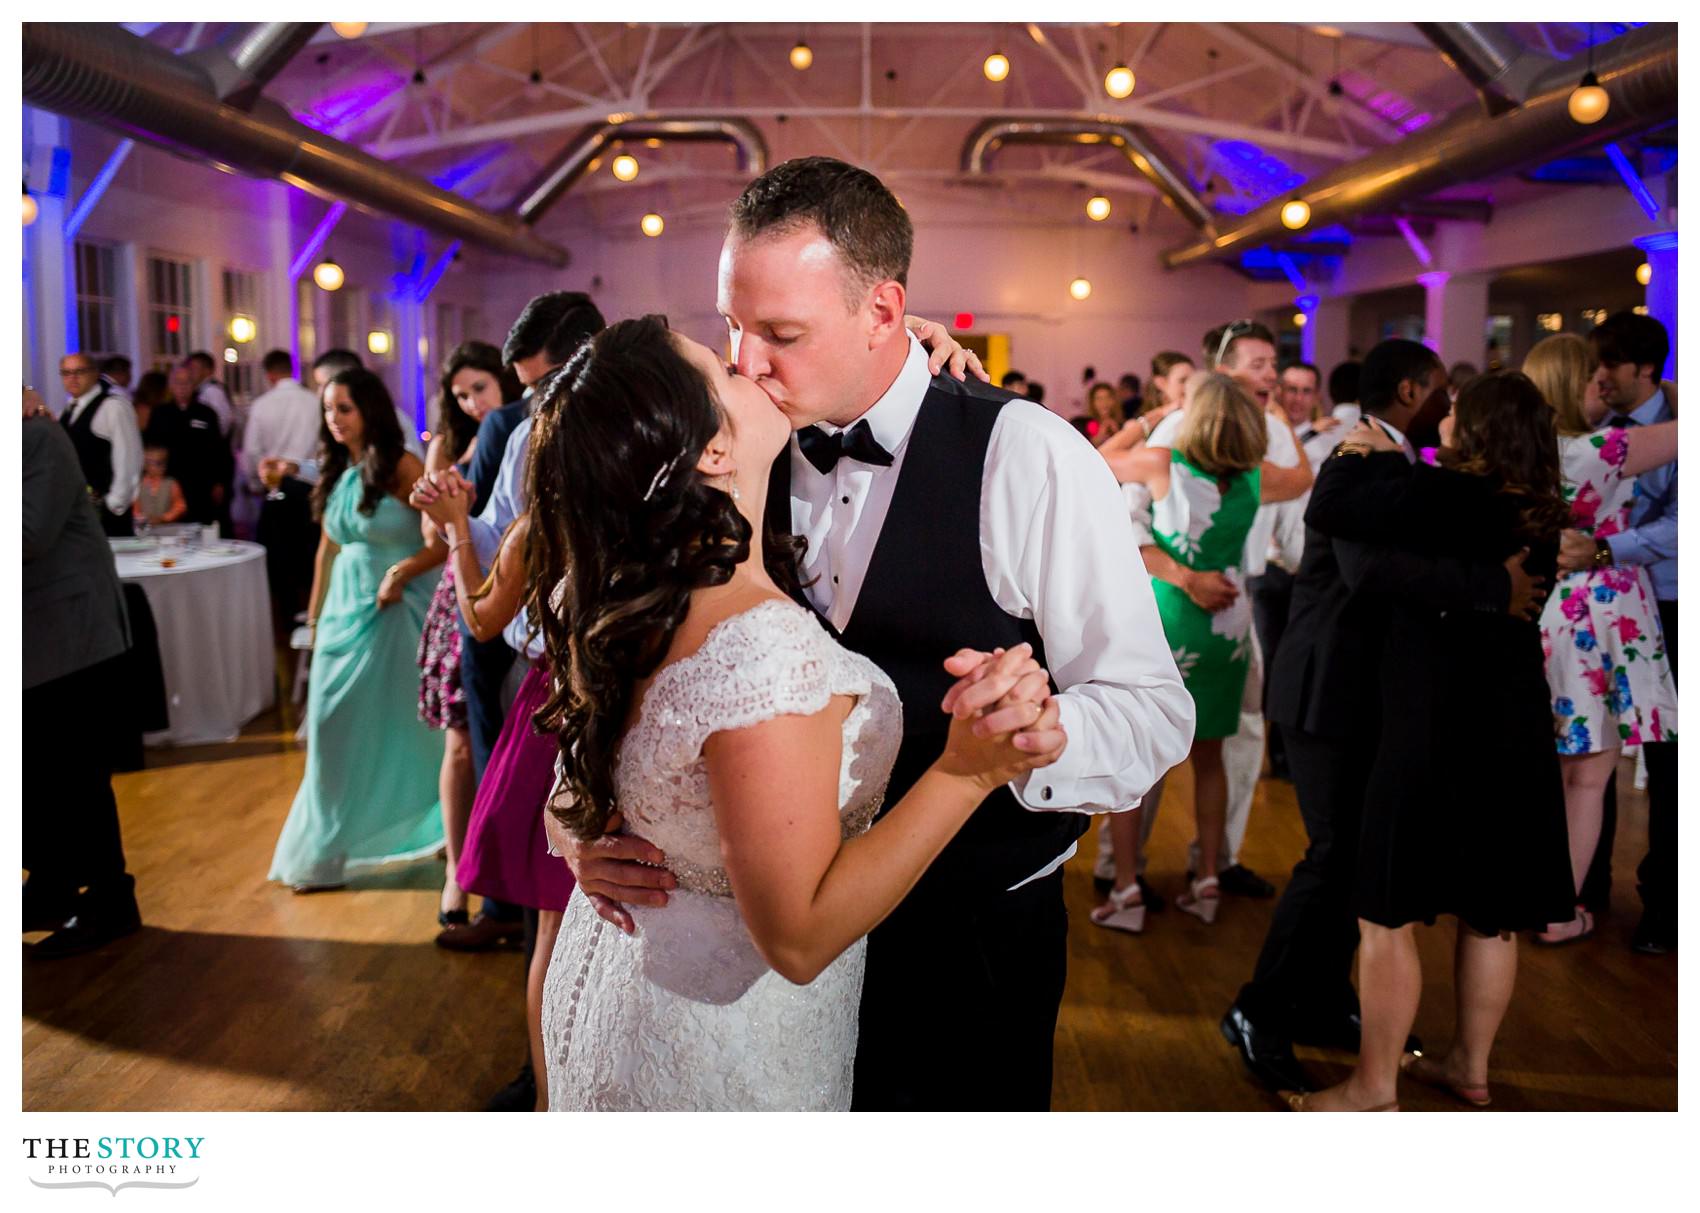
(1353, 448)
(1603, 558)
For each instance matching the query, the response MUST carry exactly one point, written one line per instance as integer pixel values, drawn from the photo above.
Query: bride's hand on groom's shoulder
(944, 350)
(613, 871)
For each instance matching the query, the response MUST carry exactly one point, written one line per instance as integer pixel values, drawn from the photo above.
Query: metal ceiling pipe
(251, 56)
(1500, 69)
(101, 74)
(1133, 141)
(557, 177)
(1638, 71)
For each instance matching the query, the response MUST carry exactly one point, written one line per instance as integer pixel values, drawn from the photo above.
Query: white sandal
(1202, 899)
(1123, 911)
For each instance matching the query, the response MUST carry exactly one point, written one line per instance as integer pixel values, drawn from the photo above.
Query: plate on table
(220, 549)
(132, 547)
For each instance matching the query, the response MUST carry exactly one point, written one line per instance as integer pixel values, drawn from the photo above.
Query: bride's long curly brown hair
(1503, 428)
(623, 529)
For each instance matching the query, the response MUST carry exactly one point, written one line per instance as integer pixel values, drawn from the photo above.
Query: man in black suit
(75, 637)
(201, 461)
(1322, 694)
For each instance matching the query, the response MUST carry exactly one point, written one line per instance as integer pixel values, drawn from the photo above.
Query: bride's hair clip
(663, 474)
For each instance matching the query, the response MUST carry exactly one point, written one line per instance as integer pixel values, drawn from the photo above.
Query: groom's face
(786, 300)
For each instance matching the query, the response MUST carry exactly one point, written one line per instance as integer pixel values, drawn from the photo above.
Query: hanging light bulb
(1118, 81)
(1080, 288)
(1300, 320)
(349, 29)
(1295, 214)
(1098, 208)
(624, 167)
(996, 67)
(1644, 273)
(241, 329)
(378, 342)
(534, 90)
(1588, 101)
(653, 224)
(328, 275)
(802, 56)
(31, 210)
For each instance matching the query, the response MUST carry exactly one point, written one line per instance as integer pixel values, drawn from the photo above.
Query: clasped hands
(445, 497)
(1006, 689)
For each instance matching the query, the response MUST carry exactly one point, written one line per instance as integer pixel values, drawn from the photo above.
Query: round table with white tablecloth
(212, 608)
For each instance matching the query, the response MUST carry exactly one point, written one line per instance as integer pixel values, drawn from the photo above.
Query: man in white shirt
(939, 515)
(1245, 350)
(102, 425)
(283, 433)
(210, 391)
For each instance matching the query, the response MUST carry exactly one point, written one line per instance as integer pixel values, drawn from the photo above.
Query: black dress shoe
(520, 1095)
(1241, 881)
(1341, 1031)
(44, 911)
(1270, 1061)
(88, 929)
(1654, 935)
(482, 934)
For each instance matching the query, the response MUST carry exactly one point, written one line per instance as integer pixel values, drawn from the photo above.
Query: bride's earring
(732, 483)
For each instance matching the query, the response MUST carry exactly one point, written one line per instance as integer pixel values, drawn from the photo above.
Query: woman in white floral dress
(1606, 666)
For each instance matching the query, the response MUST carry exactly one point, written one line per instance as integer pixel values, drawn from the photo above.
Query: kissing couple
(847, 653)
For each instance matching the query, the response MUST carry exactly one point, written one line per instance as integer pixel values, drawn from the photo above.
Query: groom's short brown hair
(852, 208)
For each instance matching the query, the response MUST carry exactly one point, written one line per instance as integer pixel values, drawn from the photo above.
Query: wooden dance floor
(239, 995)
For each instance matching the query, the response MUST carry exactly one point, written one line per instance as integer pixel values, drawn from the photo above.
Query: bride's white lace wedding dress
(685, 1014)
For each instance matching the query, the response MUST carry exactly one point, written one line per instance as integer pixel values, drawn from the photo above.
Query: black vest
(93, 451)
(924, 597)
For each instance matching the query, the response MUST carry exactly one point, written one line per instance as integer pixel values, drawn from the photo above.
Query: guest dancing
(1610, 678)
(506, 853)
(369, 794)
(1453, 825)
(736, 734)
(1205, 494)
(475, 382)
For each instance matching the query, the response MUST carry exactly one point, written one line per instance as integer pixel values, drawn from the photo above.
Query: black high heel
(452, 918)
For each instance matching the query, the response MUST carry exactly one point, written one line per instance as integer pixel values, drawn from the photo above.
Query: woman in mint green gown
(1205, 495)
(369, 795)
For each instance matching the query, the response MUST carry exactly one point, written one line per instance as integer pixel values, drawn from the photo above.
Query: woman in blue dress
(369, 795)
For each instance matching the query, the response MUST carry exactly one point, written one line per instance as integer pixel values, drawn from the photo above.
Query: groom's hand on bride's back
(613, 871)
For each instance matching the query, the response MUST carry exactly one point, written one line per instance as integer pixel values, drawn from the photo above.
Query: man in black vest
(1322, 694)
(102, 425)
(201, 460)
(940, 516)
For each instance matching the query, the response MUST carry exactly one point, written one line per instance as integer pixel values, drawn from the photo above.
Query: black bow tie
(1620, 421)
(824, 450)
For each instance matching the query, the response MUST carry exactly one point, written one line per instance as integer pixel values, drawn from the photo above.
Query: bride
(704, 709)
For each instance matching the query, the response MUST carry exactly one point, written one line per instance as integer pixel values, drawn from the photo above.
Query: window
(307, 324)
(171, 310)
(346, 315)
(98, 304)
(242, 334)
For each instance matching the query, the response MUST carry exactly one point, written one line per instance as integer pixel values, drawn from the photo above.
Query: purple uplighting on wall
(1384, 102)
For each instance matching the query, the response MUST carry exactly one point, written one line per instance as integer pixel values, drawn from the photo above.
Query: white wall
(1013, 276)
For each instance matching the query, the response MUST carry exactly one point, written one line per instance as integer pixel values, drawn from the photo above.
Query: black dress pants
(71, 839)
(1271, 603)
(959, 1005)
(1304, 970)
(1657, 872)
(291, 538)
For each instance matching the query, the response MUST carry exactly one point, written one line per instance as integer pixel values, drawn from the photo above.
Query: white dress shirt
(283, 423)
(212, 395)
(116, 423)
(507, 502)
(1055, 548)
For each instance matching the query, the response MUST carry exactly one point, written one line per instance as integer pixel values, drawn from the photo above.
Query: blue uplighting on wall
(1253, 171)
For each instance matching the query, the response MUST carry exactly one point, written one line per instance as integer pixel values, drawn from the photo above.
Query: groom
(939, 515)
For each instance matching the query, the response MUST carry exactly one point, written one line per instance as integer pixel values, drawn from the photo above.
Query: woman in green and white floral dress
(1205, 495)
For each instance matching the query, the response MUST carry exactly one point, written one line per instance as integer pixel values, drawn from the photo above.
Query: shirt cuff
(1057, 788)
(1627, 548)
